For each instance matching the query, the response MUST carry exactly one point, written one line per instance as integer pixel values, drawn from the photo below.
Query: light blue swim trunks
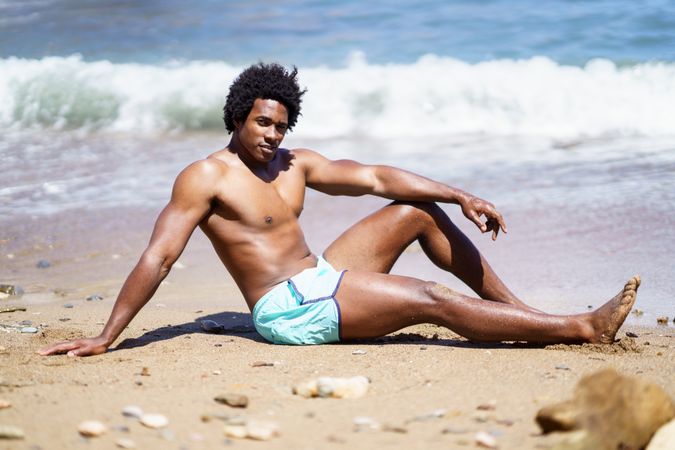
(302, 310)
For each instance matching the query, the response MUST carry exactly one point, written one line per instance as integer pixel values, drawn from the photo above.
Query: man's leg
(374, 304)
(375, 243)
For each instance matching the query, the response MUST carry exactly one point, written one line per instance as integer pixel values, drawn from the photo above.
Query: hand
(79, 347)
(474, 207)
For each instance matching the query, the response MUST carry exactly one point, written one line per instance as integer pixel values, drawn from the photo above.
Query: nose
(271, 133)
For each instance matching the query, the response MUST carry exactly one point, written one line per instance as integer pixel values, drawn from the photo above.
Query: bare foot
(609, 317)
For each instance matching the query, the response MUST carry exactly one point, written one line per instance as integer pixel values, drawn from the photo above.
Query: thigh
(375, 304)
(374, 243)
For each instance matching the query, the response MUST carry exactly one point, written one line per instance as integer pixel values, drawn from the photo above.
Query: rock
(68, 305)
(562, 367)
(154, 420)
(362, 423)
(234, 400)
(132, 411)
(91, 428)
(487, 406)
(11, 432)
(631, 334)
(663, 320)
(664, 439)
(261, 431)
(125, 443)
(211, 326)
(235, 431)
(12, 309)
(486, 440)
(43, 264)
(359, 352)
(637, 312)
(262, 364)
(94, 298)
(26, 323)
(610, 408)
(29, 330)
(11, 290)
(354, 387)
(5, 404)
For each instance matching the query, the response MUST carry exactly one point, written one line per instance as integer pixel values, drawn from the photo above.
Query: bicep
(341, 177)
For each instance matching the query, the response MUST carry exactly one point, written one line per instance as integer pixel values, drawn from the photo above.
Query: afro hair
(264, 81)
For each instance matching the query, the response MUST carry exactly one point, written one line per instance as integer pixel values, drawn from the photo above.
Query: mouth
(268, 148)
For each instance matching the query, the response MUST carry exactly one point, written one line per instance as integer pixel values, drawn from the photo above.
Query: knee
(418, 212)
(436, 292)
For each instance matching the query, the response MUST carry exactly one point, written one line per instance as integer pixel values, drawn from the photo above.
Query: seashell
(91, 428)
(11, 432)
(234, 400)
(132, 411)
(154, 420)
(261, 431)
(125, 443)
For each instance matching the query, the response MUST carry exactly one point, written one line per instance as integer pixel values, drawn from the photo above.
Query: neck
(245, 157)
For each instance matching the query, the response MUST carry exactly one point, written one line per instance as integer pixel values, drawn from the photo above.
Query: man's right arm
(191, 200)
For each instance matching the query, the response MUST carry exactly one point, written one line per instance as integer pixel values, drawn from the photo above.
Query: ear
(237, 124)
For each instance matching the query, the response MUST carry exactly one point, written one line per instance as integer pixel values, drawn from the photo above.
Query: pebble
(11, 432)
(631, 334)
(211, 326)
(154, 420)
(235, 431)
(488, 406)
(354, 387)
(562, 367)
(216, 372)
(365, 423)
(29, 330)
(68, 305)
(94, 298)
(132, 411)
(11, 290)
(484, 439)
(26, 323)
(637, 312)
(359, 352)
(262, 364)
(145, 372)
(43, 264)
(125, 443)
(455, 430)
(261, 431)
(4, 404)
(234, 400)
(91, 428)
(663, 320)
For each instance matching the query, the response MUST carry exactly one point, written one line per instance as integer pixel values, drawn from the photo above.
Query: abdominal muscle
(259, 257)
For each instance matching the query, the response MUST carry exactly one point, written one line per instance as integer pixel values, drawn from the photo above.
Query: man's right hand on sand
(79, 347)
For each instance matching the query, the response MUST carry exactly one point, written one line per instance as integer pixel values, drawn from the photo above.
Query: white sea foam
(434, 96)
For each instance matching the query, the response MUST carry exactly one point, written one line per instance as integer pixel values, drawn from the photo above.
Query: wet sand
(426, 382)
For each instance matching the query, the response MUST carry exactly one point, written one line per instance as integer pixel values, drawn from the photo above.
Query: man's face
(264, 129)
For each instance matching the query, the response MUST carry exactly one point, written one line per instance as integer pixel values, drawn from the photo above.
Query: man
(247, 199)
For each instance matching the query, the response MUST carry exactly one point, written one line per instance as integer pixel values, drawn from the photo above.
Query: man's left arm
(347, 177)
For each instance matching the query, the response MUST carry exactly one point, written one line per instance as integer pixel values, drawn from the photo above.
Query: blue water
(320, 32)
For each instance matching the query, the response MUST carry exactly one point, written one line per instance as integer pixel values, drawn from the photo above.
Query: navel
(268, 220)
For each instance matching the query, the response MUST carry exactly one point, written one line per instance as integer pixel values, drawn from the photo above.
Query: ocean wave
(433, 97)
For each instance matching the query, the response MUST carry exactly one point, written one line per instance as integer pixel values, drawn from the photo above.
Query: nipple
(268, 219)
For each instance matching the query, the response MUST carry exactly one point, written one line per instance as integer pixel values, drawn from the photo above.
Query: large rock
(609, 410)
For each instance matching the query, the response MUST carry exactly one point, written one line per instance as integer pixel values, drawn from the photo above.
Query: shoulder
(307, 158)
(200, 178)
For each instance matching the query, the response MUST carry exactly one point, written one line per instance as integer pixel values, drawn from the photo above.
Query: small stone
(631, 334)
(125, 443)
(488, 406)
(455, 430)
(29, 330)
(562, 367)
(138, 383)
(11, 432)
(11, 290)
(435, 414)
(362, 423)
(91, 428)
(132, 411)
(663, 320)
(234, 400)
(359, 352)
(637, 312)
(121, 428)
(486, 440)
(589, 306)
(235, 431)
(68, 305)
(261, 431)
(154, 420)
(94, 298)
(145, 372)
(43, 264)
(354, 387)
(216, 372)
(262, 364)
(26, 323)
(4, 404)
(211, 326)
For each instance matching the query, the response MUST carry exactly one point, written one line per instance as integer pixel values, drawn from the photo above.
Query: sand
(429, 387)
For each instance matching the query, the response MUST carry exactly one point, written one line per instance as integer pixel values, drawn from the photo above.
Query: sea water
(562, 112)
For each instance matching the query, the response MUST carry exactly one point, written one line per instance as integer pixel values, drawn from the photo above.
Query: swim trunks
(303, 309)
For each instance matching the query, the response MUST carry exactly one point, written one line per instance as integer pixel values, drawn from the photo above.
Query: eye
(282, 128)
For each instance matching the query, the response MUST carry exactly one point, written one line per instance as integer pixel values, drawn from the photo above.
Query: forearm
(137, 290)
(397, 184)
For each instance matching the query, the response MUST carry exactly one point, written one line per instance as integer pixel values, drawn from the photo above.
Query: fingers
(61, 347)
(475, 218)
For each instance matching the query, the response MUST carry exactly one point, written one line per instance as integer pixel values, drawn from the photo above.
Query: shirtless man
(247, 199)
